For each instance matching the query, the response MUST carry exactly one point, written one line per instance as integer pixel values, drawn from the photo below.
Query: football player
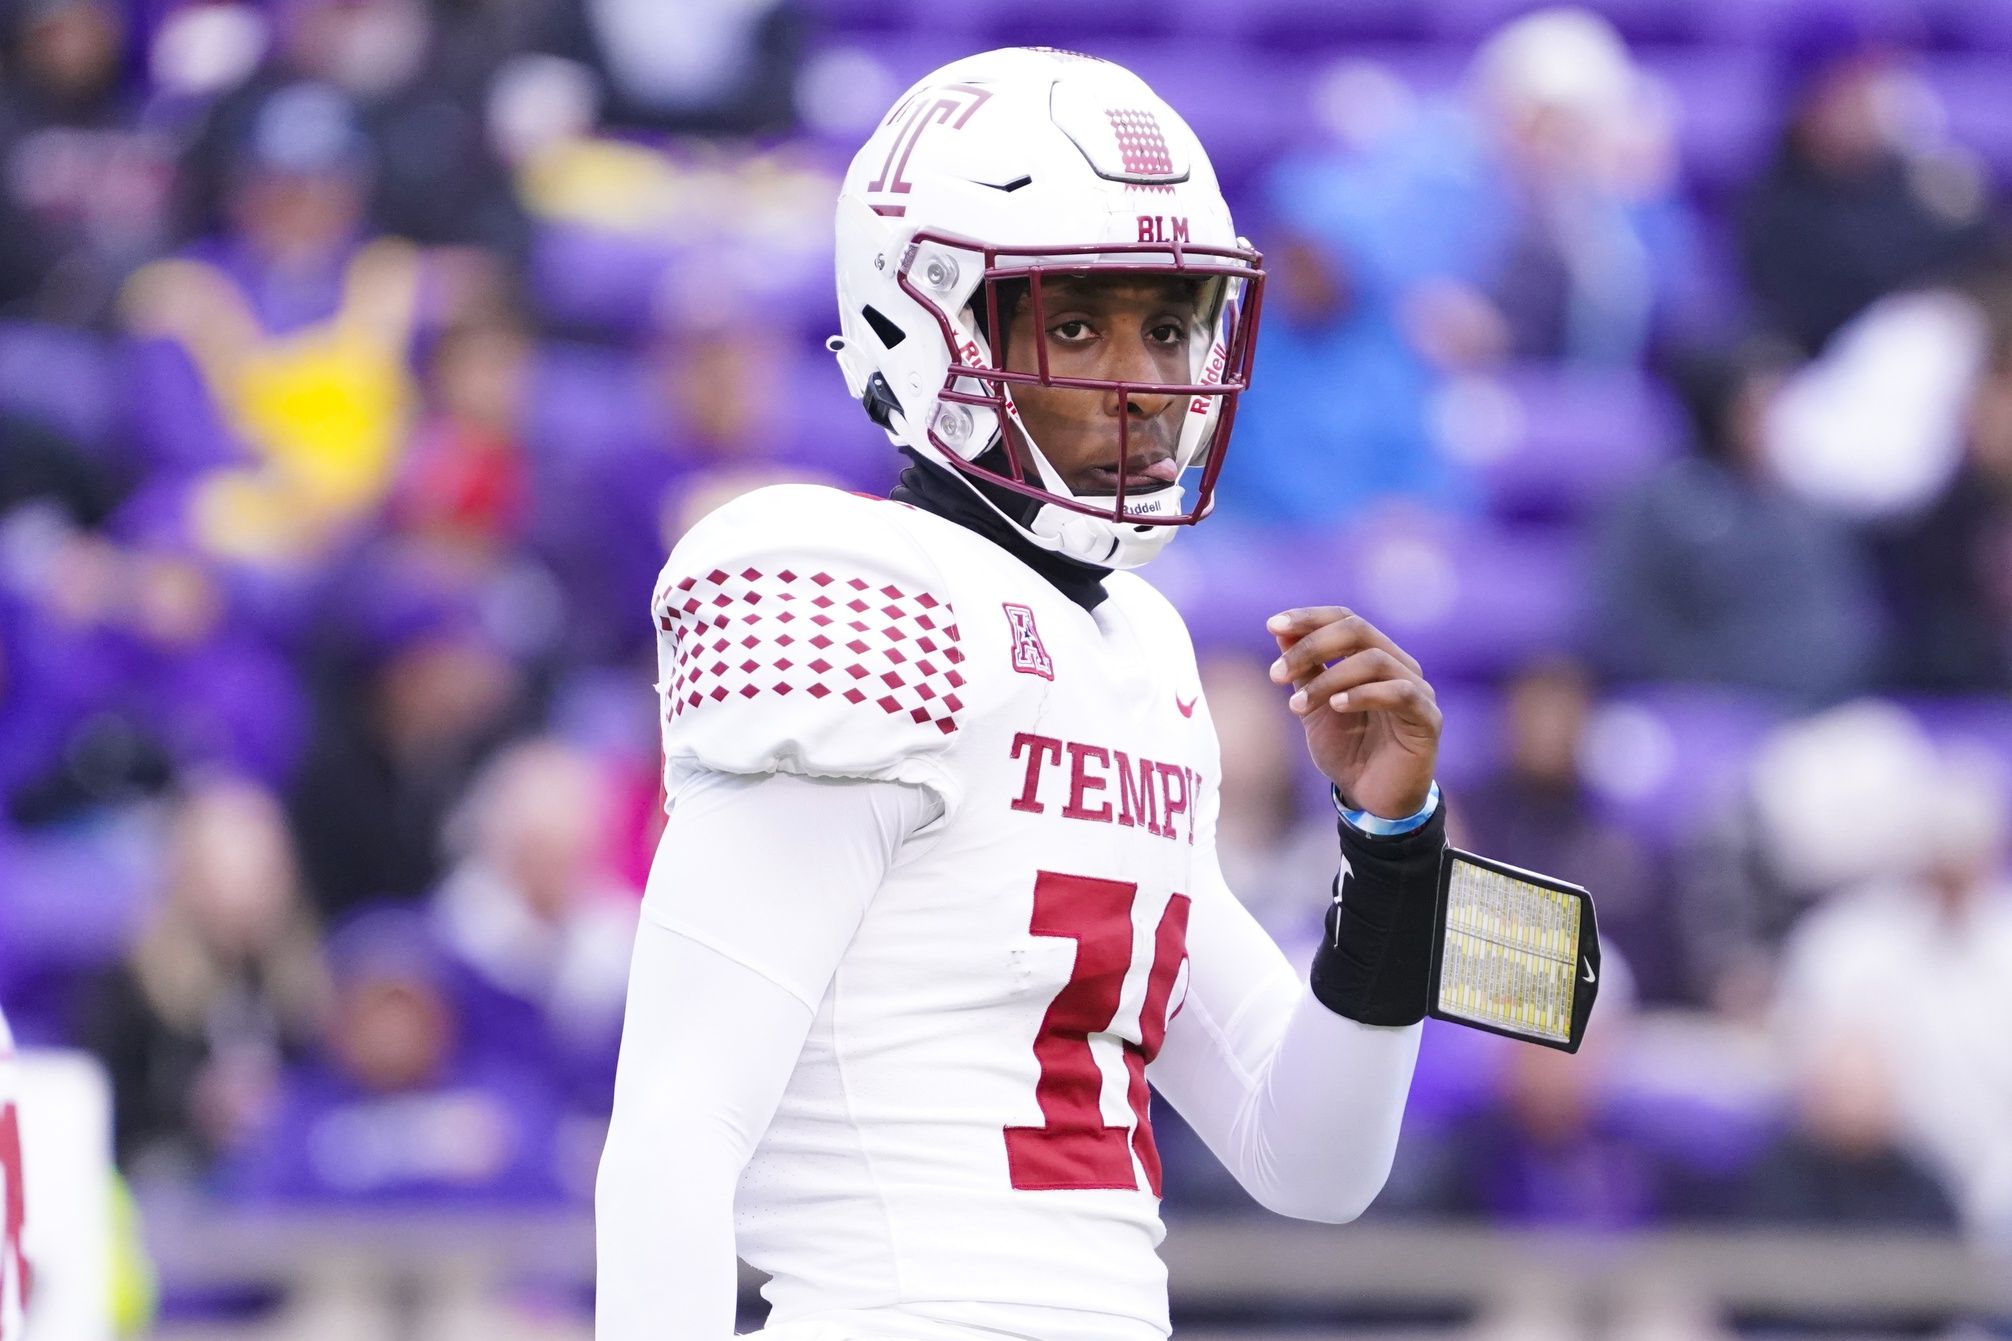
(938, 898)
(13, 1206)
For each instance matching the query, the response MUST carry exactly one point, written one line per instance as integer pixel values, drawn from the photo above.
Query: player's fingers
(1291, 624)
(1407, 700)
(1344, 636)
(1363, 668)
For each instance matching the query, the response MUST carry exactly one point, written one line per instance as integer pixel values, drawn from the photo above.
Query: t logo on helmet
(931, 106)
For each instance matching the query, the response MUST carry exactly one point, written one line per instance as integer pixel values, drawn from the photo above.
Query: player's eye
(1073, 331)
(1170, 334)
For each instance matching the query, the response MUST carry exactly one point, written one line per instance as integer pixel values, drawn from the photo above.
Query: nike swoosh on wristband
(1187, 708)
(1589, 970)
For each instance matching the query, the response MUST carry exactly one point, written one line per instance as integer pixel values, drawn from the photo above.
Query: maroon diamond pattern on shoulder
(1142, 148)
(905, 642)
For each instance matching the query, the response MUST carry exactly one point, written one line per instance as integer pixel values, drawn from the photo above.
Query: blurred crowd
(1646, 369)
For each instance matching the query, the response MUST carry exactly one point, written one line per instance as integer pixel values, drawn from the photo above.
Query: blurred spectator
(217, 691)
(711, 399)
(37, 462)
(421, 94)
(1594, 242)
(1278, 852)
(1558, 1143)
(141, 665)
(1848, 210)
(1537, 812)
(85, 184)
(1948, 570)
(418, 686)
(298, 333)
(465, 485)
(225, 982)
(1843, 1164)
(530, 910)
(1873, 428)
(397, 1107)
(1307, 455)
(1536, 220)
(64, 747)
(728, 67)
(1919, 966)
(1710, 571)
(1843, 1161)
(1831, 801)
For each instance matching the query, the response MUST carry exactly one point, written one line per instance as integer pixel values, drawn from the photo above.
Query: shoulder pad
(799, 631)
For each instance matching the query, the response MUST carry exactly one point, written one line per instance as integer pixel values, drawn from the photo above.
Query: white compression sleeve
(1301, 1104)
(758, 885)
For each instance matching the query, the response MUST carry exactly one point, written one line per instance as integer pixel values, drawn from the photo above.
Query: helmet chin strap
(1103, 542)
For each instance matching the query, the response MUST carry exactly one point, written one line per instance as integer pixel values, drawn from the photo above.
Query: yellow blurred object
(136, 1293)
(605, 183)
(324, 408)
(701, 191)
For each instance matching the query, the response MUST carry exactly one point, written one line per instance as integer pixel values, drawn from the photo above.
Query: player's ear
(1009, 294)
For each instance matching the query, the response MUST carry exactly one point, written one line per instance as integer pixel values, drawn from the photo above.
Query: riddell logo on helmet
(1159, 228)
(1219, 357)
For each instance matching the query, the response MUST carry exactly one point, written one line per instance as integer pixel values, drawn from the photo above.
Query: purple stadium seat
(845, 17)
(1985, 722)
(1070, 24)
(1214, 89)
(585, 400)
(1301, 28)
(74, 898)
(1469, 599)
(1663, 756)
(59, 376)
(1725, 113)
(1766, 22)
(1976, 92)
(1429, 69)
(1973, 24)
(1556, 442)
(591, 280)
(1472, 746)
(1637, 20)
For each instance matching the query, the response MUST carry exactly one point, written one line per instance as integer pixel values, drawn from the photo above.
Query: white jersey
(13, 1264)
(968, 1119)
(963, 1137)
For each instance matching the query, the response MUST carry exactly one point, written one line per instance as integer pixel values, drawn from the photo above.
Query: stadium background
(1645, 369)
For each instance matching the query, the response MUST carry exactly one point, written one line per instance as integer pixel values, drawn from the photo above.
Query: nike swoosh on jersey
(1187, 708)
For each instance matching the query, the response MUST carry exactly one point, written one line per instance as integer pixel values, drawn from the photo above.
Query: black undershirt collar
(933, 489)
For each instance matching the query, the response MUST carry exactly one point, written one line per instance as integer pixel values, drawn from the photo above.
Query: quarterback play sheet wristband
(1516, 953)
(1374, 963)
(1379, 827)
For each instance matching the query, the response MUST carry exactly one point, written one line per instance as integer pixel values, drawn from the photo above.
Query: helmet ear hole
(889, 333)
(878, 398)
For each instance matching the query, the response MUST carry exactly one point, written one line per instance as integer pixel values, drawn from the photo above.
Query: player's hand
(1372, 721)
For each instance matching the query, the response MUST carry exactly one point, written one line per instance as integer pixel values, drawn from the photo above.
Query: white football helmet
(1004, 168)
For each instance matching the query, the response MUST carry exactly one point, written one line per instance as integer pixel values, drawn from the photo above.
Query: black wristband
(1374, 964)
